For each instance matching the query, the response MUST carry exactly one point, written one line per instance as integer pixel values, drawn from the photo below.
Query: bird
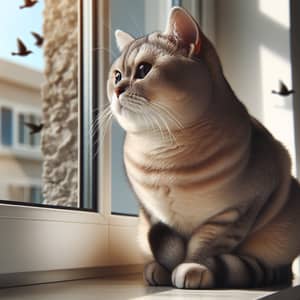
(283, 90)
(28, 3)
(34, 128)
(39, 39)
(23, 51)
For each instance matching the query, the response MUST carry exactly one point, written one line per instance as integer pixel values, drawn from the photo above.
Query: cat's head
(163, 80)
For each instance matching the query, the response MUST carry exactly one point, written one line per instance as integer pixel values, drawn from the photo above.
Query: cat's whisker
(150, 122)
(166, 126)
(131, 107)
(159, 127)
(134, 104)
(103, 130)
(102, 109)
(102, 124)
(160, 122)
(104, 114)
(94, 126)
(161, 107)
(136, 101)
(147, 120)
(139, 98)
(104, 119)
(169, 114)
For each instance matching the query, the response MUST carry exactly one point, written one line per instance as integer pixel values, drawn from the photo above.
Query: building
(20, 154)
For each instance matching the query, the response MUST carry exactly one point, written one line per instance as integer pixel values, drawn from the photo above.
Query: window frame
(24, 150)
(295, 62)
(22, 228)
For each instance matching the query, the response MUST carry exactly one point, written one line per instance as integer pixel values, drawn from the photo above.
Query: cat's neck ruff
(156, 142)
(204, 140)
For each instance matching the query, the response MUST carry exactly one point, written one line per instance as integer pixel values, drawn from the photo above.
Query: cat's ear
(185, 28)
(122, 39)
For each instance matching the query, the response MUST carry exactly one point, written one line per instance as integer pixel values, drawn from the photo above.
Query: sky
(15, 22)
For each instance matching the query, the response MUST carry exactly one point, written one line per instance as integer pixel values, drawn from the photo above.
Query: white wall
(253, 41)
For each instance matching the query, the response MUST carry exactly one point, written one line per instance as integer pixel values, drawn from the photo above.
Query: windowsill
(124, 287)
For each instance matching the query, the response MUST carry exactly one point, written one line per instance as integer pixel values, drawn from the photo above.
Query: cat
(218, 205)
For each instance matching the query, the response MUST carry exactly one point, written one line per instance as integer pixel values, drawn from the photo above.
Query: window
(23, 193)
(6, 126)
(76, 207)
(25, 137)
(15, 129)
(35, 194)
(21, 137)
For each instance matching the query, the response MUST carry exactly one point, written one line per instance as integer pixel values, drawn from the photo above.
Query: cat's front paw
(155, 274)
(192, 276)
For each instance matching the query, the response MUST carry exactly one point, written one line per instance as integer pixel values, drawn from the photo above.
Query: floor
(130, 287)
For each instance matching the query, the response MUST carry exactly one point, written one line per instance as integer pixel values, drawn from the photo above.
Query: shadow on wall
(253, 41)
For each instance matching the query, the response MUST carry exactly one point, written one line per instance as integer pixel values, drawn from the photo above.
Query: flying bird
(283, 90)
(39, 39)
(34, 128)
(23, 51)
(28, 3)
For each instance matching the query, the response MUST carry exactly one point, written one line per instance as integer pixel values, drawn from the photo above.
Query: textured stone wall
(60, 103)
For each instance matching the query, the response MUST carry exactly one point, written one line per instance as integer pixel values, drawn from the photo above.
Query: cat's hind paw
(157, 275)
(192, 276)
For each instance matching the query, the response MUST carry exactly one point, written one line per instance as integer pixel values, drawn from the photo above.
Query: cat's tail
(238, 271)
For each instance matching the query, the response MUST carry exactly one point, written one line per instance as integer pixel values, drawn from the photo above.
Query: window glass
(21, 120)
(37, 136)
(39, 85)
(137, 18)
(35, 194)
(123, 199)
(31, 119)
(6, 126)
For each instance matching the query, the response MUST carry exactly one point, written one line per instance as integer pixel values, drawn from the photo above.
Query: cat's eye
(118, 76)
(142, 70)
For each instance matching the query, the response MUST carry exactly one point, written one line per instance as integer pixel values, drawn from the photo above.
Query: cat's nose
(121, 89)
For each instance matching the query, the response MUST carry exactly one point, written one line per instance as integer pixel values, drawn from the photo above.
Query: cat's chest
(183, 198)
(176, 206)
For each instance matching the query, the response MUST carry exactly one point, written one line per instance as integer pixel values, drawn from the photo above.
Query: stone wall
(60, 103)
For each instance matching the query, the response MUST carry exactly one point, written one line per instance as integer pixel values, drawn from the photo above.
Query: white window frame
(40, 244)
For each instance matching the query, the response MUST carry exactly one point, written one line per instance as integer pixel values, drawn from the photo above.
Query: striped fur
(219, 207)
(244, 271)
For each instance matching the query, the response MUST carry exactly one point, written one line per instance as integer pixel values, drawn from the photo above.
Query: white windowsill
(123, 287)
